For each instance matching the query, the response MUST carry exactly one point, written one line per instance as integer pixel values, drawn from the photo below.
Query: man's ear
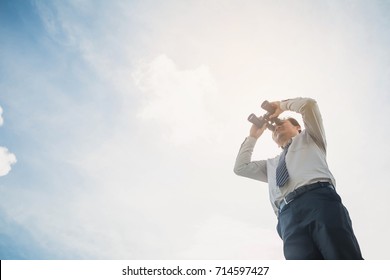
(299, 129)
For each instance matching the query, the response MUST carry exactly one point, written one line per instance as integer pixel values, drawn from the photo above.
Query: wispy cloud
(7, 159)
(1, 116)
(176, 100)
(130, 114)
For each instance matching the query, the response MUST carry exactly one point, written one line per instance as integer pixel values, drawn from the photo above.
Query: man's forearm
(244, 166)
(311, 116)
(297, 105)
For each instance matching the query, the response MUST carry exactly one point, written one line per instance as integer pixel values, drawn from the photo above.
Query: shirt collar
(288, 144)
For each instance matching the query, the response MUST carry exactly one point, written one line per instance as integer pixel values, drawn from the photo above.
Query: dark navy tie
(281, 171)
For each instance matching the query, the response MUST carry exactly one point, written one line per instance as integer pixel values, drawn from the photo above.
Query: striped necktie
(281, 170)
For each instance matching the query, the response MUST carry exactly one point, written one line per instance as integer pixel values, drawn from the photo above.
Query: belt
(301, 190)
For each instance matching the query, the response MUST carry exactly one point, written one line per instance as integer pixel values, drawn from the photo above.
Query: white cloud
(206, 68)
(6, 160)
(176, 99)
(1, 117)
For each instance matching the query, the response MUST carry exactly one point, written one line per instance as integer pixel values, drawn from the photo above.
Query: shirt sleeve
(245, 167)
(311, 116)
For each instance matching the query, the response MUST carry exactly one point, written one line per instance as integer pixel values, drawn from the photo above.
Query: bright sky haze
(121, 121)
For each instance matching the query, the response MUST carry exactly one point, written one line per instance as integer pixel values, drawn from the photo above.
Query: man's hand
(278, 110)
(256, 131)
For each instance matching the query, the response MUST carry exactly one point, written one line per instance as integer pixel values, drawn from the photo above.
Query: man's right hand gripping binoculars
(260, 121)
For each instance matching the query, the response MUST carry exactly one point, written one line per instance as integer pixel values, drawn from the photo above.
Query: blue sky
(124, 119)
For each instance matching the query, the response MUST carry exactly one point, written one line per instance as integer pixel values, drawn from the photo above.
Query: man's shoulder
(303, 136)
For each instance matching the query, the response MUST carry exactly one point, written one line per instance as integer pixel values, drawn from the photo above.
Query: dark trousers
(316, 226)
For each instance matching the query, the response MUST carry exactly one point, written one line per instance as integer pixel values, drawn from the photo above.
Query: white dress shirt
(305, 159)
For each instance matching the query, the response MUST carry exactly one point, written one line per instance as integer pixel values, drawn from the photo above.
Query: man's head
(285, 130)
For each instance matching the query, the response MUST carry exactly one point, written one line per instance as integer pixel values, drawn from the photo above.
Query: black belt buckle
(287, 199)
(301, 190)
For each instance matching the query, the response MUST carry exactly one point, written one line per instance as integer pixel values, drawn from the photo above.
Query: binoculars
(260, 121)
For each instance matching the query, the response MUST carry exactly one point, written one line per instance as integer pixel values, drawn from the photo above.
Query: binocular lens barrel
(268, 107)
(259, 122)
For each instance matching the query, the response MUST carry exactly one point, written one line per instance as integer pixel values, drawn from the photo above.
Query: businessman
(312, 221)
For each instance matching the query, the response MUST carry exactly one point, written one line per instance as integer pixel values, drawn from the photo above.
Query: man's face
(284, 131)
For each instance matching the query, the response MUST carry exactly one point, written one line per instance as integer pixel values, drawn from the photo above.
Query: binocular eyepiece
(260, 121)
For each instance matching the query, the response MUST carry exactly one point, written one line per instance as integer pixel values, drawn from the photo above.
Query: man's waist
(301, 190)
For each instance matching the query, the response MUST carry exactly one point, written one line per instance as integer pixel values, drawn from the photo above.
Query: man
(312, 221)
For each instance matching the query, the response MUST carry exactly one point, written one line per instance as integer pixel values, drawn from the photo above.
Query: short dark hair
(294, 122)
